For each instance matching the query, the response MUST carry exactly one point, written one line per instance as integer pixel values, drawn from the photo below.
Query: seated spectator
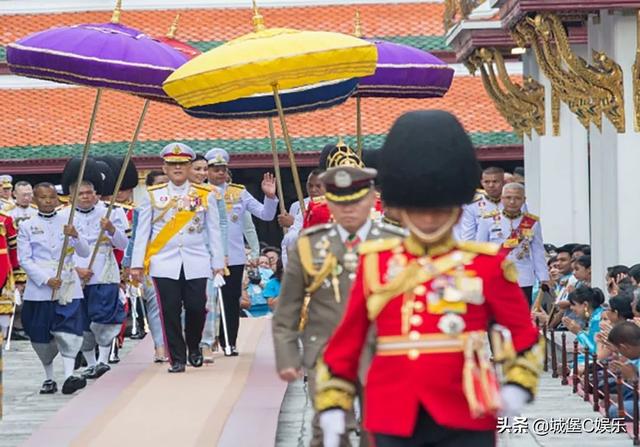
(619, 310)
(253, 302)
(634, 274)
(615, 275)
(625, 338)
(273, 254)
(272, 289)
(582, 270)
(585, 302)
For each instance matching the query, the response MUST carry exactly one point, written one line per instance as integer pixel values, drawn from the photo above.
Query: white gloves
(333, 424)
(513, 400)
(218, 281)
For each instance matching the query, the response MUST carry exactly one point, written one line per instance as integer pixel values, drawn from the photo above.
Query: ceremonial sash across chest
(170, 229)
(523, 231)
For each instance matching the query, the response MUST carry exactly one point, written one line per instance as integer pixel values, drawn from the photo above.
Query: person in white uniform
(52, 313)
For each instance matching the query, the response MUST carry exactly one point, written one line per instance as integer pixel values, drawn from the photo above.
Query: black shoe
(196, 359)
(138, 336)
(80, 361)
(88, 373)
(19, 335)
(73, 384)
(234, 352)
(177, 368)
(96, 372)
(49, 387)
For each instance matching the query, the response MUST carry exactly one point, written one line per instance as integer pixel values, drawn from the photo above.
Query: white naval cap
(177, 153)
(6, 181)
(217, 157)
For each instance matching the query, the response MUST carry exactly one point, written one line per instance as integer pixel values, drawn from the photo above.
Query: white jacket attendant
(105, 267)
(40, 241)
(196, 247)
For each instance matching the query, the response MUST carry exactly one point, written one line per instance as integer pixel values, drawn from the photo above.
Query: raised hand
(269, 185)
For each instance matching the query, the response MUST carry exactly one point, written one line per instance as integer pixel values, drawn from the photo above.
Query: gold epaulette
(378, 245)
(8, 206)
(33, 206)
(63, 198)
(158, 186)
(319, 199)
(203, 186)
(390, 227)
(236, 185)
(126, 206)
(63, 206)
(493, 213)
(532, 216)
(478, 196)
(481, 248)
(315, 229)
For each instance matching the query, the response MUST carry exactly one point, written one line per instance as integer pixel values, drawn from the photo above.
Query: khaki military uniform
(313, 297)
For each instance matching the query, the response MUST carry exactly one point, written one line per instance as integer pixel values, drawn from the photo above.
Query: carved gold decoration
(522, 106)
(456, 11)
(636, 78)
(588, 90)
(555, 112)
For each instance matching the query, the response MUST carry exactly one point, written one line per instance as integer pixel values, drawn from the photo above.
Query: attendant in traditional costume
(52, 311)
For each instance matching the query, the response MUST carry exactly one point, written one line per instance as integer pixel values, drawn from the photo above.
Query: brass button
(420, 290)
(413, 354)
(414, 335)
(415, 320)
(418, 306)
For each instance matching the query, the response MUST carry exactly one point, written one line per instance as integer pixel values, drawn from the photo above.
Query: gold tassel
(467, 379)
(304, 313)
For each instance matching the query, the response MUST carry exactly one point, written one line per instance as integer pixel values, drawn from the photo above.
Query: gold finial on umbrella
(115, 17)
(357, 31)
(258, 20)
(174, 27)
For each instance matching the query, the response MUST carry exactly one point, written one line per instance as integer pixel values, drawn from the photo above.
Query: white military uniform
(87, 223)
(186, 248)
(467, 226)
(238, 201)
(294, 230)
(39, 244)
(20, 214)
(525, 243)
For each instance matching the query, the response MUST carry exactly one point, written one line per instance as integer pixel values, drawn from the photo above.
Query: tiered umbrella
(269, 60)
(105, 55)
(402, 71)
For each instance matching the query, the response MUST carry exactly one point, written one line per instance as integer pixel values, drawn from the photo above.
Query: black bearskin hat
(428, 161)
(92, 173)
(108, 179)
(130, 179)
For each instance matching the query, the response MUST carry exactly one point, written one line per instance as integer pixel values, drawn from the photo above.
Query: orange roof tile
(35, 117)
(423, 19)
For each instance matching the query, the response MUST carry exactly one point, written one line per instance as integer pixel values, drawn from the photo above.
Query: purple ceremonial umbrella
(402, 72)
(405, 72)
(107, 55)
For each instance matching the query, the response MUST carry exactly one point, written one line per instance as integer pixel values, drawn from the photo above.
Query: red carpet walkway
(233, 402)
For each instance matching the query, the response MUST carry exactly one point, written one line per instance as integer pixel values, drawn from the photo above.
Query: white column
(557, 171)
(615, 158)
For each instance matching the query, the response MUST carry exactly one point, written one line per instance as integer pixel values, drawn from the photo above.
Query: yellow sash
(177, 223)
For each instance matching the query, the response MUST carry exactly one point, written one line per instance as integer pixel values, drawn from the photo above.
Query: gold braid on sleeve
(524, 370)
(331, 391)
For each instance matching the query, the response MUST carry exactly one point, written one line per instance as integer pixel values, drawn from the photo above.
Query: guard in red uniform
(431, 300)
(8, 268)
(339, 155)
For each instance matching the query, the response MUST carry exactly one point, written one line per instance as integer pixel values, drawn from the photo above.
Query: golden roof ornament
(357, 31)
(258, 20)
(174, 27)
(115, 17)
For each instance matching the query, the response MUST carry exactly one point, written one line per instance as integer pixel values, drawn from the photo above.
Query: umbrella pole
(123, 170)
(287, 141)
(276, 167)
(359, 125)
(74, 196)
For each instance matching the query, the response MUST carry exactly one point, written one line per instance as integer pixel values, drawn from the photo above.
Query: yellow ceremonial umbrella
(268, 60)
